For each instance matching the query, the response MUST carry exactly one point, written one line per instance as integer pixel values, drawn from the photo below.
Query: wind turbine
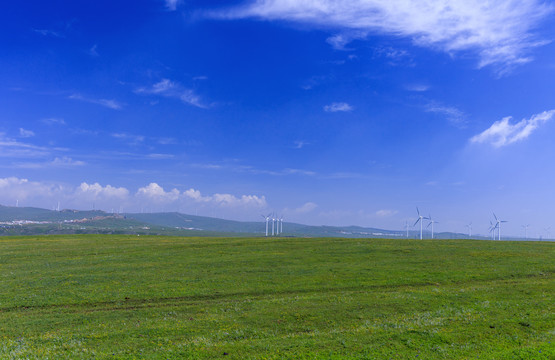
(420, 218)
(469, 226)
(407, 227)
(281, 226)
(526, 231)
(432, 222)
(273, 222)
(498, 225)
(492, 229)
(547, 232)
(267, 217)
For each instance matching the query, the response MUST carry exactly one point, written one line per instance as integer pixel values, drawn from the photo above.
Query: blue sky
(339, 113)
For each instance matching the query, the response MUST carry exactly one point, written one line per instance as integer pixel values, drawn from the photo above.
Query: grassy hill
(126, 297)
(174, 223)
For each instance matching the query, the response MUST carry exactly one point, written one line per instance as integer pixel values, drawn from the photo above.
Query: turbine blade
(416, 222)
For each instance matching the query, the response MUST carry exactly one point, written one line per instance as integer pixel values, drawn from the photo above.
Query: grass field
(126, 297)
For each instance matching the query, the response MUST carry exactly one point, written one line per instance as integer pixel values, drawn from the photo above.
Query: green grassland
(133, 297)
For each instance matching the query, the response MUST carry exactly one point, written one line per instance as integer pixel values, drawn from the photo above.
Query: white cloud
(244, 200)
(92, 51)
(14, 189)
(386, 213)
(306, 208)
(11, 148)
(339, 41)
(155, 192)
(417, 87)
(46, 32)
(171, 5)
(132, 139)
(96, 190)
(26, 133)
(499, 31)
(112, 104)
(394, 56)
(299, 144)
(171, 89)
(163, 86)
(53, 121)
(503, 133)
(338, 106)
(453, 115)
(152, 196)
(189, 97)
(63, 161)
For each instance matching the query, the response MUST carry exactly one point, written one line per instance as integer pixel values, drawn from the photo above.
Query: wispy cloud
(166, 141)
(314, 81)
(93, 51)
(502, 133)
(112, 104)
(252, 170)
(499, 31)
(417, 87)
(171, 5)
(386, 213)
(12, 148)
(305, 208)
(26, 133)
(394, 56)
(340, 41)
(157, 156)
(172, 89)
(455, 116)
(45, 32)
(60, 162)
(130, 138)
(338, 106)
(53, 121)
(299, 144)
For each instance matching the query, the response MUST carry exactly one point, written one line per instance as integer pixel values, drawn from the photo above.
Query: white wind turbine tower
(273, 222)
(420, 218)
(469, 226)
(492, 229)
(547, 232)
(267, 218)
(432, 222)
(281, 224)
(498, 225)
(407, 227)
(526, 231)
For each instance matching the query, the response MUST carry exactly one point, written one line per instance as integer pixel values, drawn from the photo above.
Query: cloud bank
(499, 31)
(151, 196)
(502, 133)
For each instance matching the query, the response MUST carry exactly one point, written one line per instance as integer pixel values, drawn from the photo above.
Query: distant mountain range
(34, 221)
